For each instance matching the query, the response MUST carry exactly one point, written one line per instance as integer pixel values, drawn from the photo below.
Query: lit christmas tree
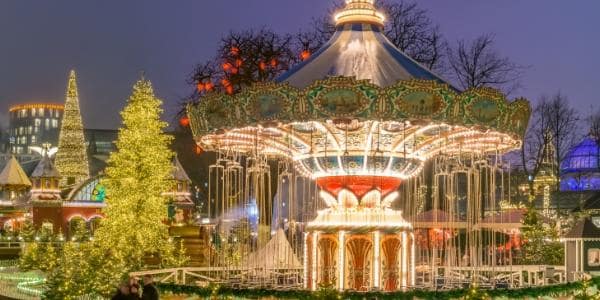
(71, 158)
(137, 175)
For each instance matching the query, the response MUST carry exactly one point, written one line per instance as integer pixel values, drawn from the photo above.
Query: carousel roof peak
(359, 49)
(359, 11)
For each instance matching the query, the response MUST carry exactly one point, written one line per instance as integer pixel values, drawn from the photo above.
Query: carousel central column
(341, 260)
(376, 258)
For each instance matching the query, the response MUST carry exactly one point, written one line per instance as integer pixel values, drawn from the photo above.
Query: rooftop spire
(359, 11)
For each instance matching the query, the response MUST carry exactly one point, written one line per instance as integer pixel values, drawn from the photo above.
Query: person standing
(149, 292)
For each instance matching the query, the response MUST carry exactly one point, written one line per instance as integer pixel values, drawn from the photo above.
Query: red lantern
(235, 51)
(229, 89)
(225, 82)
(262, 66)
(234, 71)
(238, 62)
(184, 121)
(227, 67)
(200, 86)
(305, 55)
(274, 63)
(209, 86)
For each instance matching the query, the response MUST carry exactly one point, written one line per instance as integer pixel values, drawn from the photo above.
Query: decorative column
(305, 262)
(341, 259)
(376, 259)
(315, 243)
(413, 267)
(404, 261)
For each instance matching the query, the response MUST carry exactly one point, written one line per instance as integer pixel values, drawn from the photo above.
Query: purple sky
(110, 42)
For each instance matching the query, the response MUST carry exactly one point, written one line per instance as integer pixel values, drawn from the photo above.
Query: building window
(594, 257)
(33, 139)
(21, 130)
(37, 122)
(57, 113)
(23, 113)
(36, 129)
(47, 124)
(33, 112)
(41, 112)
(54, 123)
(30, 129)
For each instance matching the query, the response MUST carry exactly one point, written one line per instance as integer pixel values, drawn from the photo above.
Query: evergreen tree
(71, 158)
(137, 175)
(27, 231)
(540, 241)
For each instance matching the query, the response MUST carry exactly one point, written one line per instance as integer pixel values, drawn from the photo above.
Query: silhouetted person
(122, 292)
(149, 292)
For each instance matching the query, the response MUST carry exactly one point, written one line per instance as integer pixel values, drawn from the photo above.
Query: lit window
(30, 129)
(33, 112)
(57, 113)
(54, 123)
(47, 123)
(37, 122)
(41, 111)
(594, 257)
(33, 139)
(23, 113)
(21, 130)
(36, 129)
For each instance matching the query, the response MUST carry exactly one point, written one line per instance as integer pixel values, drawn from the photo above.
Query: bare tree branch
(478, 64)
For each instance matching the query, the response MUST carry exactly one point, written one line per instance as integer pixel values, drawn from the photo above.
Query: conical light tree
(71, 158)
(137, 175)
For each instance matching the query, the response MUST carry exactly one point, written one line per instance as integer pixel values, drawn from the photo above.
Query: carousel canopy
(359, 106)
(13, 175)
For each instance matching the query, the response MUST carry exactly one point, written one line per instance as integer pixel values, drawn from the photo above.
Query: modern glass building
(33, 125)
(580, 170)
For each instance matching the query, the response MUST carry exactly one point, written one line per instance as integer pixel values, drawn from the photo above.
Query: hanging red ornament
(229, 89)
(209, 86)
(238, 62)
(305, 55)
(262, 66)
(227, 66)
(235, 51)
(225, 82)
(274, 62)
(234, 70)
(200, 86)
(184, 121)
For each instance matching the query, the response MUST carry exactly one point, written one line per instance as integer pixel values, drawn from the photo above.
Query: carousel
(335, 155)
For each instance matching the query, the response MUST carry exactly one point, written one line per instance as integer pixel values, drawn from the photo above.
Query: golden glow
(36, 105)
(320, 148)
(359, 11)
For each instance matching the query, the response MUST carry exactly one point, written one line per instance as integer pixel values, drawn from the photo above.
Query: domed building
(580, 170)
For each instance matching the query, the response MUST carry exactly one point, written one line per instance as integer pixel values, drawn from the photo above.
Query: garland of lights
(530, 292)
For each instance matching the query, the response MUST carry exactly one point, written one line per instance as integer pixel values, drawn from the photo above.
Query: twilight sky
(111, 42)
